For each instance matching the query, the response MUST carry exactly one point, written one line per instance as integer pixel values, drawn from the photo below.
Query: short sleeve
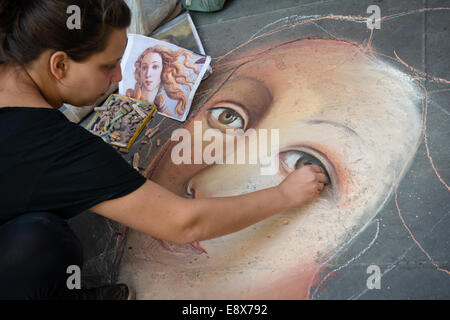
(85, 171)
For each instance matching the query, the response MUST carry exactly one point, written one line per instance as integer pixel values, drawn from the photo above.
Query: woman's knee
(37, 249)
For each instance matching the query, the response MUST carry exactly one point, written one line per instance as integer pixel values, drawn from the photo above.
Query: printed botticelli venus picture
(162, 73)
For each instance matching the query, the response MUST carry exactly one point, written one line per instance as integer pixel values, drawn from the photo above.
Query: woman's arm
(156, 211)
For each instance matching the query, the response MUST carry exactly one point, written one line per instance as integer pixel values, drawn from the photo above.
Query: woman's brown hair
(28, 28)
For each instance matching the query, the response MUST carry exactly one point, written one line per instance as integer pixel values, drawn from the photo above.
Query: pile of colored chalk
(119, 119)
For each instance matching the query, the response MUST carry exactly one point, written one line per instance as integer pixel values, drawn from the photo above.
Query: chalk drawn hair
(173, 76)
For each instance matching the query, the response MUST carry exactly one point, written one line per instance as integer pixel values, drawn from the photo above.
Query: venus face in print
(151, 71)
(333, 105)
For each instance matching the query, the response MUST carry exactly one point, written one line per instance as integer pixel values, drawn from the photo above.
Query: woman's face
(87, 81)
(332, 105)
(151, 69)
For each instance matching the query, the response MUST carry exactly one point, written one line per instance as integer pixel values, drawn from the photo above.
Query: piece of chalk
(100, 108)
(138, 110)
(153, 133)
(136, 158)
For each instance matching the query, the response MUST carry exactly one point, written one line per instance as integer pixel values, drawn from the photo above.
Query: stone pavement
(408, 241)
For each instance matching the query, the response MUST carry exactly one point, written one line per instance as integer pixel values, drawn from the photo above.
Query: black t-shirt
(49, 164)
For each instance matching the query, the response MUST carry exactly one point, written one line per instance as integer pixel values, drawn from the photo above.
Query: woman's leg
(35, 251)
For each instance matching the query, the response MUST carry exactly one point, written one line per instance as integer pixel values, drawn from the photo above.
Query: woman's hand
(303, 185)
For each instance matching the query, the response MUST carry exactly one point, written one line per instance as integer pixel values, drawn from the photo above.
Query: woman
(52, 169)
(158, 69)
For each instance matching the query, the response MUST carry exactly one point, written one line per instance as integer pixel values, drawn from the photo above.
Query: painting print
(162, 73)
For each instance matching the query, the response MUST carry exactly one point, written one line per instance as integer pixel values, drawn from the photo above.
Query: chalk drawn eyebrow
(331, 123)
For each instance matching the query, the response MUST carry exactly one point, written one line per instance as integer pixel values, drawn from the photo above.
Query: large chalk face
(332, 104)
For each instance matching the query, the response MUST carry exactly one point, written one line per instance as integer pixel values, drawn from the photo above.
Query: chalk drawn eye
(295, 159)
(227, 115)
